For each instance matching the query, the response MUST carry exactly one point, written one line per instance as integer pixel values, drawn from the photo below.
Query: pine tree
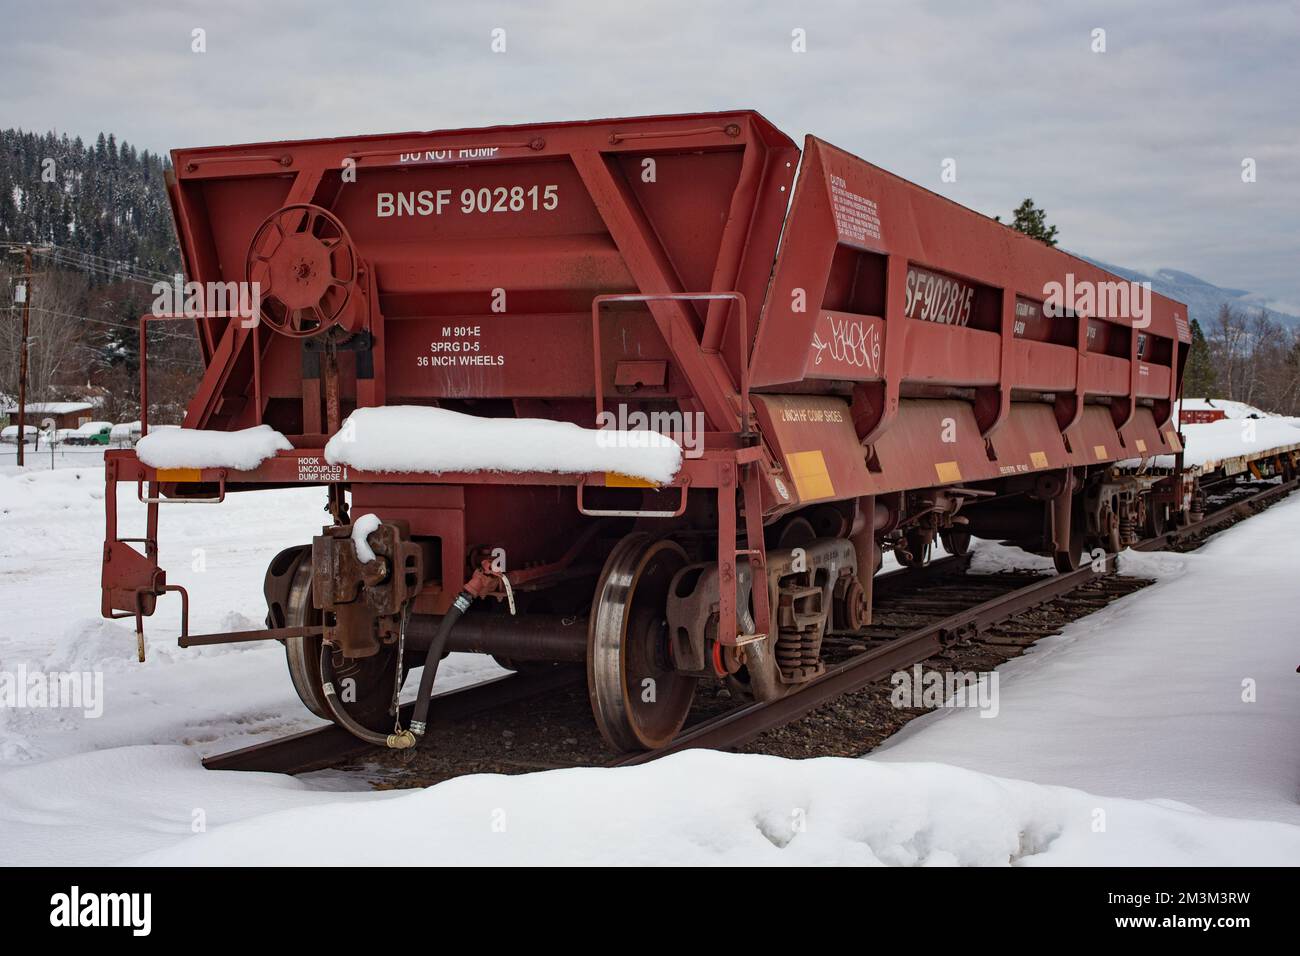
(107, 199)
(1199, 377)
(1032, 221)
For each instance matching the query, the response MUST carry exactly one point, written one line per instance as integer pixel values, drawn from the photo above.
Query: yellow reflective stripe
(948, 471)
(614, 479)
(808, 471)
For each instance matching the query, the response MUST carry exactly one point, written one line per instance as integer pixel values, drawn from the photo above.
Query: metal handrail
(159, 500)
(633, 513)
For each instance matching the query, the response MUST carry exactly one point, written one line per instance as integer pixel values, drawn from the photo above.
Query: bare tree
(83, 334)
(1256, 360)
(56, 350)
(1227, 338)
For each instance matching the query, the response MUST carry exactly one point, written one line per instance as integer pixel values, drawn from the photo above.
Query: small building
(64, 414)
(1200, 416)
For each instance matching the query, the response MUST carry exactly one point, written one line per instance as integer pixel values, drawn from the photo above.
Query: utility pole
(22, 353)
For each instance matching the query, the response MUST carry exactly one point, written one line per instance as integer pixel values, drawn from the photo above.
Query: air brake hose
(419, 721)
(398, 741)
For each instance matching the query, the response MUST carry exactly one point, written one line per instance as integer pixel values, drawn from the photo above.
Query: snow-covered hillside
(1203, 299)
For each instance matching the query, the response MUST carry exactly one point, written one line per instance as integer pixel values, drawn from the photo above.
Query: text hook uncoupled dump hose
(420, 719)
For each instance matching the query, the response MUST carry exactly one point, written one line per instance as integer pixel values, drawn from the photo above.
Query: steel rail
(325, 746)
(329, 745)
(745, 723)
(739, 726)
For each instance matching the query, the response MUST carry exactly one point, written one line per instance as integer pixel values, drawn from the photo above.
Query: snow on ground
(1133, 718)
(43, 459)
(1144, 699)
(213, 698)
(156, 805)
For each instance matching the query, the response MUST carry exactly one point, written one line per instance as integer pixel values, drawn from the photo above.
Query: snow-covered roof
(124, 430)
(92, 428)
(47, 408)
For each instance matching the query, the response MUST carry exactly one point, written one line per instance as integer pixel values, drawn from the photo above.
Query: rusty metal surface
(239, 637)
(671, 223)
(326, 746)
(746, 723)
(864, 245)
(877, 281)
(553, 213)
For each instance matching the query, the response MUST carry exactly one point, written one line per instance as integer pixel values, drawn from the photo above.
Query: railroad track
(330, 745)
(737, 725)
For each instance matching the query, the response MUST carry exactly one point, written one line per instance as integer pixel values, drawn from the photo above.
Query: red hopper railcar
(852, 363)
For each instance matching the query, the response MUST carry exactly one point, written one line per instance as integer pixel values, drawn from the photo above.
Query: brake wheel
(305, 266)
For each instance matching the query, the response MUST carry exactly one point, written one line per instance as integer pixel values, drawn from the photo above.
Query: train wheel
(915, 550)
(955, 541)
(371, 687)
(1157, 519)
(795, 533)
(638, 699)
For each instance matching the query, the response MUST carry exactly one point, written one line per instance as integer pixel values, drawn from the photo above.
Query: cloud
(1136, 152)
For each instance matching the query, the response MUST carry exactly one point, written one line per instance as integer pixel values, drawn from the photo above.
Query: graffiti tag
(852, 342)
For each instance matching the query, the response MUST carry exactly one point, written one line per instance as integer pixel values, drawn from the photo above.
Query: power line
(158, 332)
(100, 265)
(97, 264)
(106, 268)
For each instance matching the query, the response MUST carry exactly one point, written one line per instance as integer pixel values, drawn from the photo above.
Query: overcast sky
(1136, 153)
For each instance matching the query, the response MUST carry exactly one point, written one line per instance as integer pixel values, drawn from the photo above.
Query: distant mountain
(1203, 298)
